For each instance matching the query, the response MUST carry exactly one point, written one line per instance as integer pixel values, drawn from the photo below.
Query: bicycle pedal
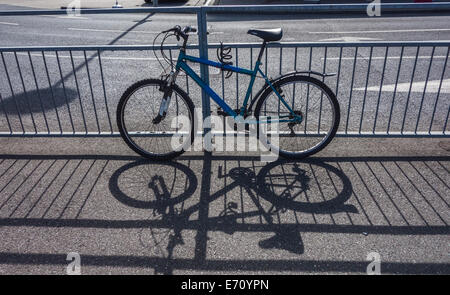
(221, 112)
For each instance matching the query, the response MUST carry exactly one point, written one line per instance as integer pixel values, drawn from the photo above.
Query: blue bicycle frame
(181, 64)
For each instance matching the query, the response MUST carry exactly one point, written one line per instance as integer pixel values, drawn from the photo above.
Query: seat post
(261, 51)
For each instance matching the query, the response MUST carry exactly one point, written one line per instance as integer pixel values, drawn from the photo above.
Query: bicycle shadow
(141, 184)
(189, 226)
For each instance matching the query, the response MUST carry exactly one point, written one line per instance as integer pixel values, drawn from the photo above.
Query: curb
(329, 8)
(255, 9)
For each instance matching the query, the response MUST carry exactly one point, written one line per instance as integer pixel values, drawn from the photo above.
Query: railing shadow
(37, 101)
(229, 195)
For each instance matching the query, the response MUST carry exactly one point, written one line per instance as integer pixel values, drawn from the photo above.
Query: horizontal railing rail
(234, 45)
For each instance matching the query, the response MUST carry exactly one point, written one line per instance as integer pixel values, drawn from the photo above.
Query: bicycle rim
(163, 139)
(316, 104)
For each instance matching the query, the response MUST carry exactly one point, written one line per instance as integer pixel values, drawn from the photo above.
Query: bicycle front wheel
(153, 138)
(308, 97)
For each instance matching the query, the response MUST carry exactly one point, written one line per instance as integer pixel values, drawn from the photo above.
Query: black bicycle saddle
(267, 34)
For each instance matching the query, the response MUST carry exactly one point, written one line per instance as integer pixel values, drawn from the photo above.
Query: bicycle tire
(122, 125)
(335, 107)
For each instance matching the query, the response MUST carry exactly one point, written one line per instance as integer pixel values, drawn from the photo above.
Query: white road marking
(432, 87)
(350, 39)
(123, 31)
(72, 17)
(112, 31)
(9, 24)
(65, 16)
(381, 31)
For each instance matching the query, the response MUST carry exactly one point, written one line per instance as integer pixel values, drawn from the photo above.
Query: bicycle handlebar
(183, 33)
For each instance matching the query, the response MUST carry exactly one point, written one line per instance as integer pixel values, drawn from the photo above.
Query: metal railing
(384, 88)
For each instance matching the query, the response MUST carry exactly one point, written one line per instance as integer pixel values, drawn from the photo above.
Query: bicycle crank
(292, 124)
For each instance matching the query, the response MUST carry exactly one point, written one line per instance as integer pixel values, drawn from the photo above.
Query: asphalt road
(141, 29)
(93, 196)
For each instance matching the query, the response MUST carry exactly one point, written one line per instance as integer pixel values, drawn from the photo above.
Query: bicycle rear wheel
(311, 99)
(163, 140)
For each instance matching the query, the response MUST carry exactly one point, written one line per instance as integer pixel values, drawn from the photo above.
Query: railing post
(155, 3)
(204, 71)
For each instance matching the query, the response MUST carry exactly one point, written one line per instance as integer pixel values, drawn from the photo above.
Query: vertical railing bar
(64, 90)
(339, 71)
(321, 94)
(92, 92)
(187, 83)
(237, 79)
(280, 69)
(439, 91)
(381, 88)
(310, 59)
(171, 61)
(265, 61)
(104, 89)
(223, 84)
(409, 92)
(25, 92)
(307, 88)
(222, 74)
(424, 90)
(176, 95)
(12, 92)
(78, 90)
(267, 74)
(446, 121)
(281, 60)
(395, 89)
(204, 71)
(365, 90)
(6, 114)
(177, 107)
(38, 92)
(51, 91)
(251, 67)
(351, 89)
(295, 69)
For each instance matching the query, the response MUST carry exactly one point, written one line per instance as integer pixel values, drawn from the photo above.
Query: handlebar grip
(189, 29)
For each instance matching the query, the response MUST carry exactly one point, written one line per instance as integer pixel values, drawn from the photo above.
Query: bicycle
(151, 120)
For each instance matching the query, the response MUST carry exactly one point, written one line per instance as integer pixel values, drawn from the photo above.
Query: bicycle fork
(167, 89)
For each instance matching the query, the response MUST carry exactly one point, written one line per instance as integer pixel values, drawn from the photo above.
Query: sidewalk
(275, 2)
(57, 4)
(229, 213)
